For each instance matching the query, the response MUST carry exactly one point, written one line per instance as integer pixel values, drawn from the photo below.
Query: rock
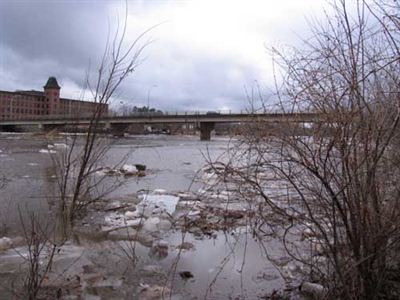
(186, 275)
(313, 289)
(5, 243)
(140, 167)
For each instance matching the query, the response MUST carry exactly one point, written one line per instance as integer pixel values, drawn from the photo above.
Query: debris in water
(185, 275)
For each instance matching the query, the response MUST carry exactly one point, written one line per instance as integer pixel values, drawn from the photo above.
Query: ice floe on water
(165, 202)
(126, 170)
(47, 151)
(60, 146)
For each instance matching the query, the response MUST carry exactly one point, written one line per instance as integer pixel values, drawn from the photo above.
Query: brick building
(38, 104)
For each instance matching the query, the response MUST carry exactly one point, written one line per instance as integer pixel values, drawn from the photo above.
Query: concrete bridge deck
(205, 122)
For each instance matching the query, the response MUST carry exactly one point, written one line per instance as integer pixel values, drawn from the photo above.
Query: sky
(204, 55)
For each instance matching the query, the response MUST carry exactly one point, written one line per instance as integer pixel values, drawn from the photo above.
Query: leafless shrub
(330, 191)
(40, 255)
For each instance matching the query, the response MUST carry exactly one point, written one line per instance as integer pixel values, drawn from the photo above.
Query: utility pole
(148, 97)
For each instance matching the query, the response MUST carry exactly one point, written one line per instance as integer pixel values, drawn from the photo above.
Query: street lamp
(148, 97)
(121, 103)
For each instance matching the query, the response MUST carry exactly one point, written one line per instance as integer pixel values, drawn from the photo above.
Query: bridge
(204, 122)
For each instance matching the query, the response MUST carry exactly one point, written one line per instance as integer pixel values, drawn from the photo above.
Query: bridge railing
(193, 112)
(143, 114)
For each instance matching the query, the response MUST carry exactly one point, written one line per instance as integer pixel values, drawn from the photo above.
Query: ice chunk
(151, 224)
(60, 146)
(128, 168)
(116, 220)
(164, 225)
(159, 192)
(47, 151)
(5, 243)
(130, 214)
(167, 202)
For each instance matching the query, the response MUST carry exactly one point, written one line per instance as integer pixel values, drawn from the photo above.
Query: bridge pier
(117, 129)
(8, 128)
(49, 128)
(205, 130)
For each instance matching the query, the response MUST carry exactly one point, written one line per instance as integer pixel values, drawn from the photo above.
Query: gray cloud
(59, 38)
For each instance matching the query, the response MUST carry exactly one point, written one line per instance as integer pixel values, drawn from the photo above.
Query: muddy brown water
(227, 265)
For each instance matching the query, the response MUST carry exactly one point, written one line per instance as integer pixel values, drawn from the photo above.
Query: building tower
(52, 95)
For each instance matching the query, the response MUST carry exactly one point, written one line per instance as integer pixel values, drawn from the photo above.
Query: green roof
(52, 83)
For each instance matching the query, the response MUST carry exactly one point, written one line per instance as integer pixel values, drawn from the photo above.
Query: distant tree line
(127, 110)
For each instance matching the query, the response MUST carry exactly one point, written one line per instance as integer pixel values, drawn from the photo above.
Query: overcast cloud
(202, 57)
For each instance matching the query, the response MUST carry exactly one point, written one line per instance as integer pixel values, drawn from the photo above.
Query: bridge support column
(107, 126)
(51, 128)
(205, 130)
(118, 129)
(8, 128)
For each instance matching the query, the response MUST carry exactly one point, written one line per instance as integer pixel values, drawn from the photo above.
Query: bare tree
(330, 189)
(78, 163)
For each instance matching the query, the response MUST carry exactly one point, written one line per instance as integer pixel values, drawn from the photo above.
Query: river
(225, 265)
